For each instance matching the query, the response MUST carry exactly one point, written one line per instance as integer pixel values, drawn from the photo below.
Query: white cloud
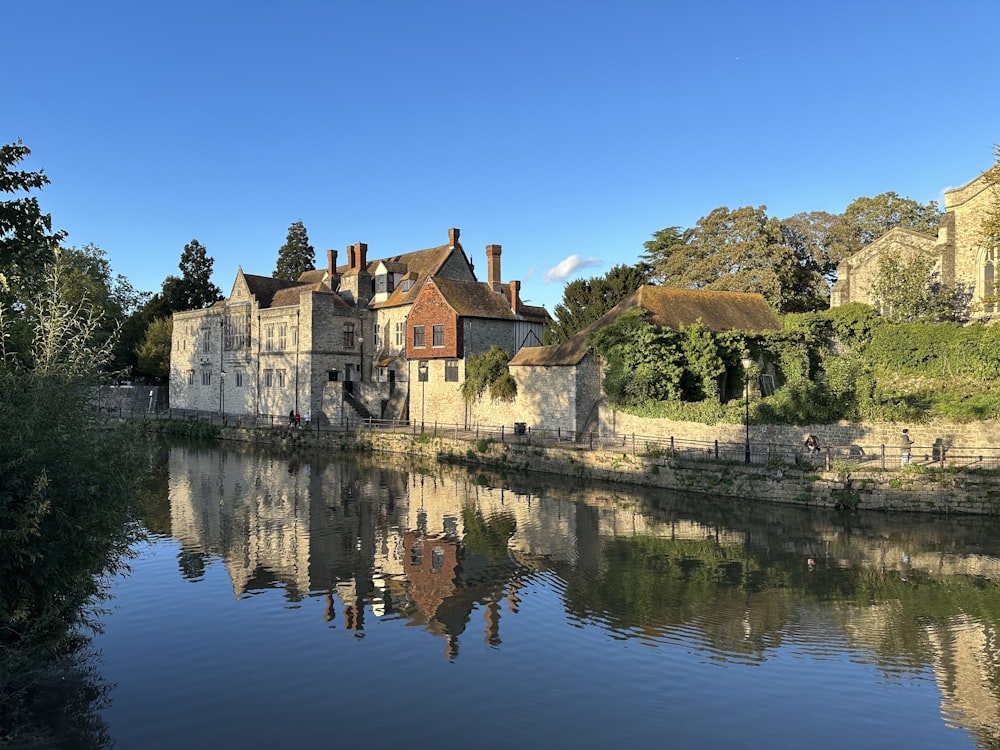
(569, 266)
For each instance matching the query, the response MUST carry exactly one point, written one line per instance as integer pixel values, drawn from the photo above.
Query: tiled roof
(473, 299)
(264, 287)
(271, 292)
(419, 265)
(718, 311)
(668, 308)
(290, 296)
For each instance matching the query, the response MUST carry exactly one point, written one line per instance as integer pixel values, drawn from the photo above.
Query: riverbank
(854, 486)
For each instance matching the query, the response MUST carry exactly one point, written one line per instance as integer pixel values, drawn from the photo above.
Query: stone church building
(962, 259)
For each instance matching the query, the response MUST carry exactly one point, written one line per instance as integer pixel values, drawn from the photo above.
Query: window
(282, 335)
(295, 336)
(239, 378)
(383, 283)
(190, 377)
(269, 337)
(437, 559)
(206, 344)
(400, 334)
(417, 555)
(451, 371)
(348, 335)
(418, 337)
(333, 376)
(206, 377)
(378, 337)
(268, 378)
(280, 375)
(438, 335)
(990, 282)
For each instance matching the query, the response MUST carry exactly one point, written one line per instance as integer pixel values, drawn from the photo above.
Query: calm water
(319, 602)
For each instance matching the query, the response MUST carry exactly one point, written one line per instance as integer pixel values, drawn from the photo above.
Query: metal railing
(846, 457)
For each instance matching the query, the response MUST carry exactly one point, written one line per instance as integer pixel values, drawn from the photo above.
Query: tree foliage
(65, 488)
(488, 371)
(866, 219)
(193, 289)
(586, 300)
(741, 250)
(154, 351)
(296, 256)
(911, 290)
(27, 242)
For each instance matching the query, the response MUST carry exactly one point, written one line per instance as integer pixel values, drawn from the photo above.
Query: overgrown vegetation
(847, 363)
(66, 480)
(488, 372)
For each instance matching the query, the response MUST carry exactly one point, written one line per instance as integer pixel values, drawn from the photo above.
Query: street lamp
(361, 364)
(422, 376)
(746, 361)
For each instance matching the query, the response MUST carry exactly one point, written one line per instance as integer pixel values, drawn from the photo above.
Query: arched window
(989, 281)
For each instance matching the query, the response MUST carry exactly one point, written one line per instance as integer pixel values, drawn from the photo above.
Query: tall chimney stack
(515, 297)
(453, 237)
(493, 267)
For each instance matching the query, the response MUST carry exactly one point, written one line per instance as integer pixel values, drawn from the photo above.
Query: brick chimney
(362, 256)
(515, 297)
(351, 257)
(331, 269)
(453, 237)
(493, 267)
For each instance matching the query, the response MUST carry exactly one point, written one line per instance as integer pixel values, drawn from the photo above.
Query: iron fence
(846, 457)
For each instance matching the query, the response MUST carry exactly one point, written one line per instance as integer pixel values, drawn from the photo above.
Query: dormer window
(407, 284)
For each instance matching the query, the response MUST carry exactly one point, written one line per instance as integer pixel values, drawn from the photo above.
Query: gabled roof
(718, 311)
(271, 292)
(290, 296)
(667, 308)
(419, 265)
(475, 299)
(264, 287)
(313, 277)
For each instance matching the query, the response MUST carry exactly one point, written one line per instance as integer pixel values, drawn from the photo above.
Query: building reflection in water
(437, 546)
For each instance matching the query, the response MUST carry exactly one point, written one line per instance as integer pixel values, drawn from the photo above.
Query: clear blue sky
(567, 132)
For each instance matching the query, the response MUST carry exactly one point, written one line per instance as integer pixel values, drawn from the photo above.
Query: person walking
(905, 445)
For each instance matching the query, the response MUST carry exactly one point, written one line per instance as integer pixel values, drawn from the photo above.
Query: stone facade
(333, 344)
(961, 259)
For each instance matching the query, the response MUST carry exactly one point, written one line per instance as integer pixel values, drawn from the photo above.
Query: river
(318, 600)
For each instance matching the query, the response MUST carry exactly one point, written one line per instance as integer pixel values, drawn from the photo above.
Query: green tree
(194, 289)
(65, 491)
(27, 242)
(87, 275)
(296, 256)
(154, 351)
(867, 219)
(585, 300)
(741, 250)
(808, 234)
(911, 290)
(667, 254)
(643, 362)
(488, 371)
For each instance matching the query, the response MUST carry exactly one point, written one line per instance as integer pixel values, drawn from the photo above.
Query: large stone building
(962, 260)
(333, 343)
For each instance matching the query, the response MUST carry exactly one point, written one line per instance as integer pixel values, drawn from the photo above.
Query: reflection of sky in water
(202, 662)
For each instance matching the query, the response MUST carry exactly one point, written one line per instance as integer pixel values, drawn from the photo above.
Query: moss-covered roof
(667, 308)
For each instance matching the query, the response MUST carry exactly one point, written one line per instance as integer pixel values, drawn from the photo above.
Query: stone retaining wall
(910, 489)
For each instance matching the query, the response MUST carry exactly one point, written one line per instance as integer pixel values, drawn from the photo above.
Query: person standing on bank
(905, 444)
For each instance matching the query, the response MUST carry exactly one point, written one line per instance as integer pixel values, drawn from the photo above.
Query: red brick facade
(431, 309)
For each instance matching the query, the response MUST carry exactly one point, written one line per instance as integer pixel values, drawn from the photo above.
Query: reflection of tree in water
(487, 536)
(61, 703)
(192, 564)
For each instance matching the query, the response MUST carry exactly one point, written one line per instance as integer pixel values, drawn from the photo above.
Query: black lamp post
(746, 419)
(422, 375)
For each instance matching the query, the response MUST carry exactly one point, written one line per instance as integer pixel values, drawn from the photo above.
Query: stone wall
(984, 434)
(910, 489)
